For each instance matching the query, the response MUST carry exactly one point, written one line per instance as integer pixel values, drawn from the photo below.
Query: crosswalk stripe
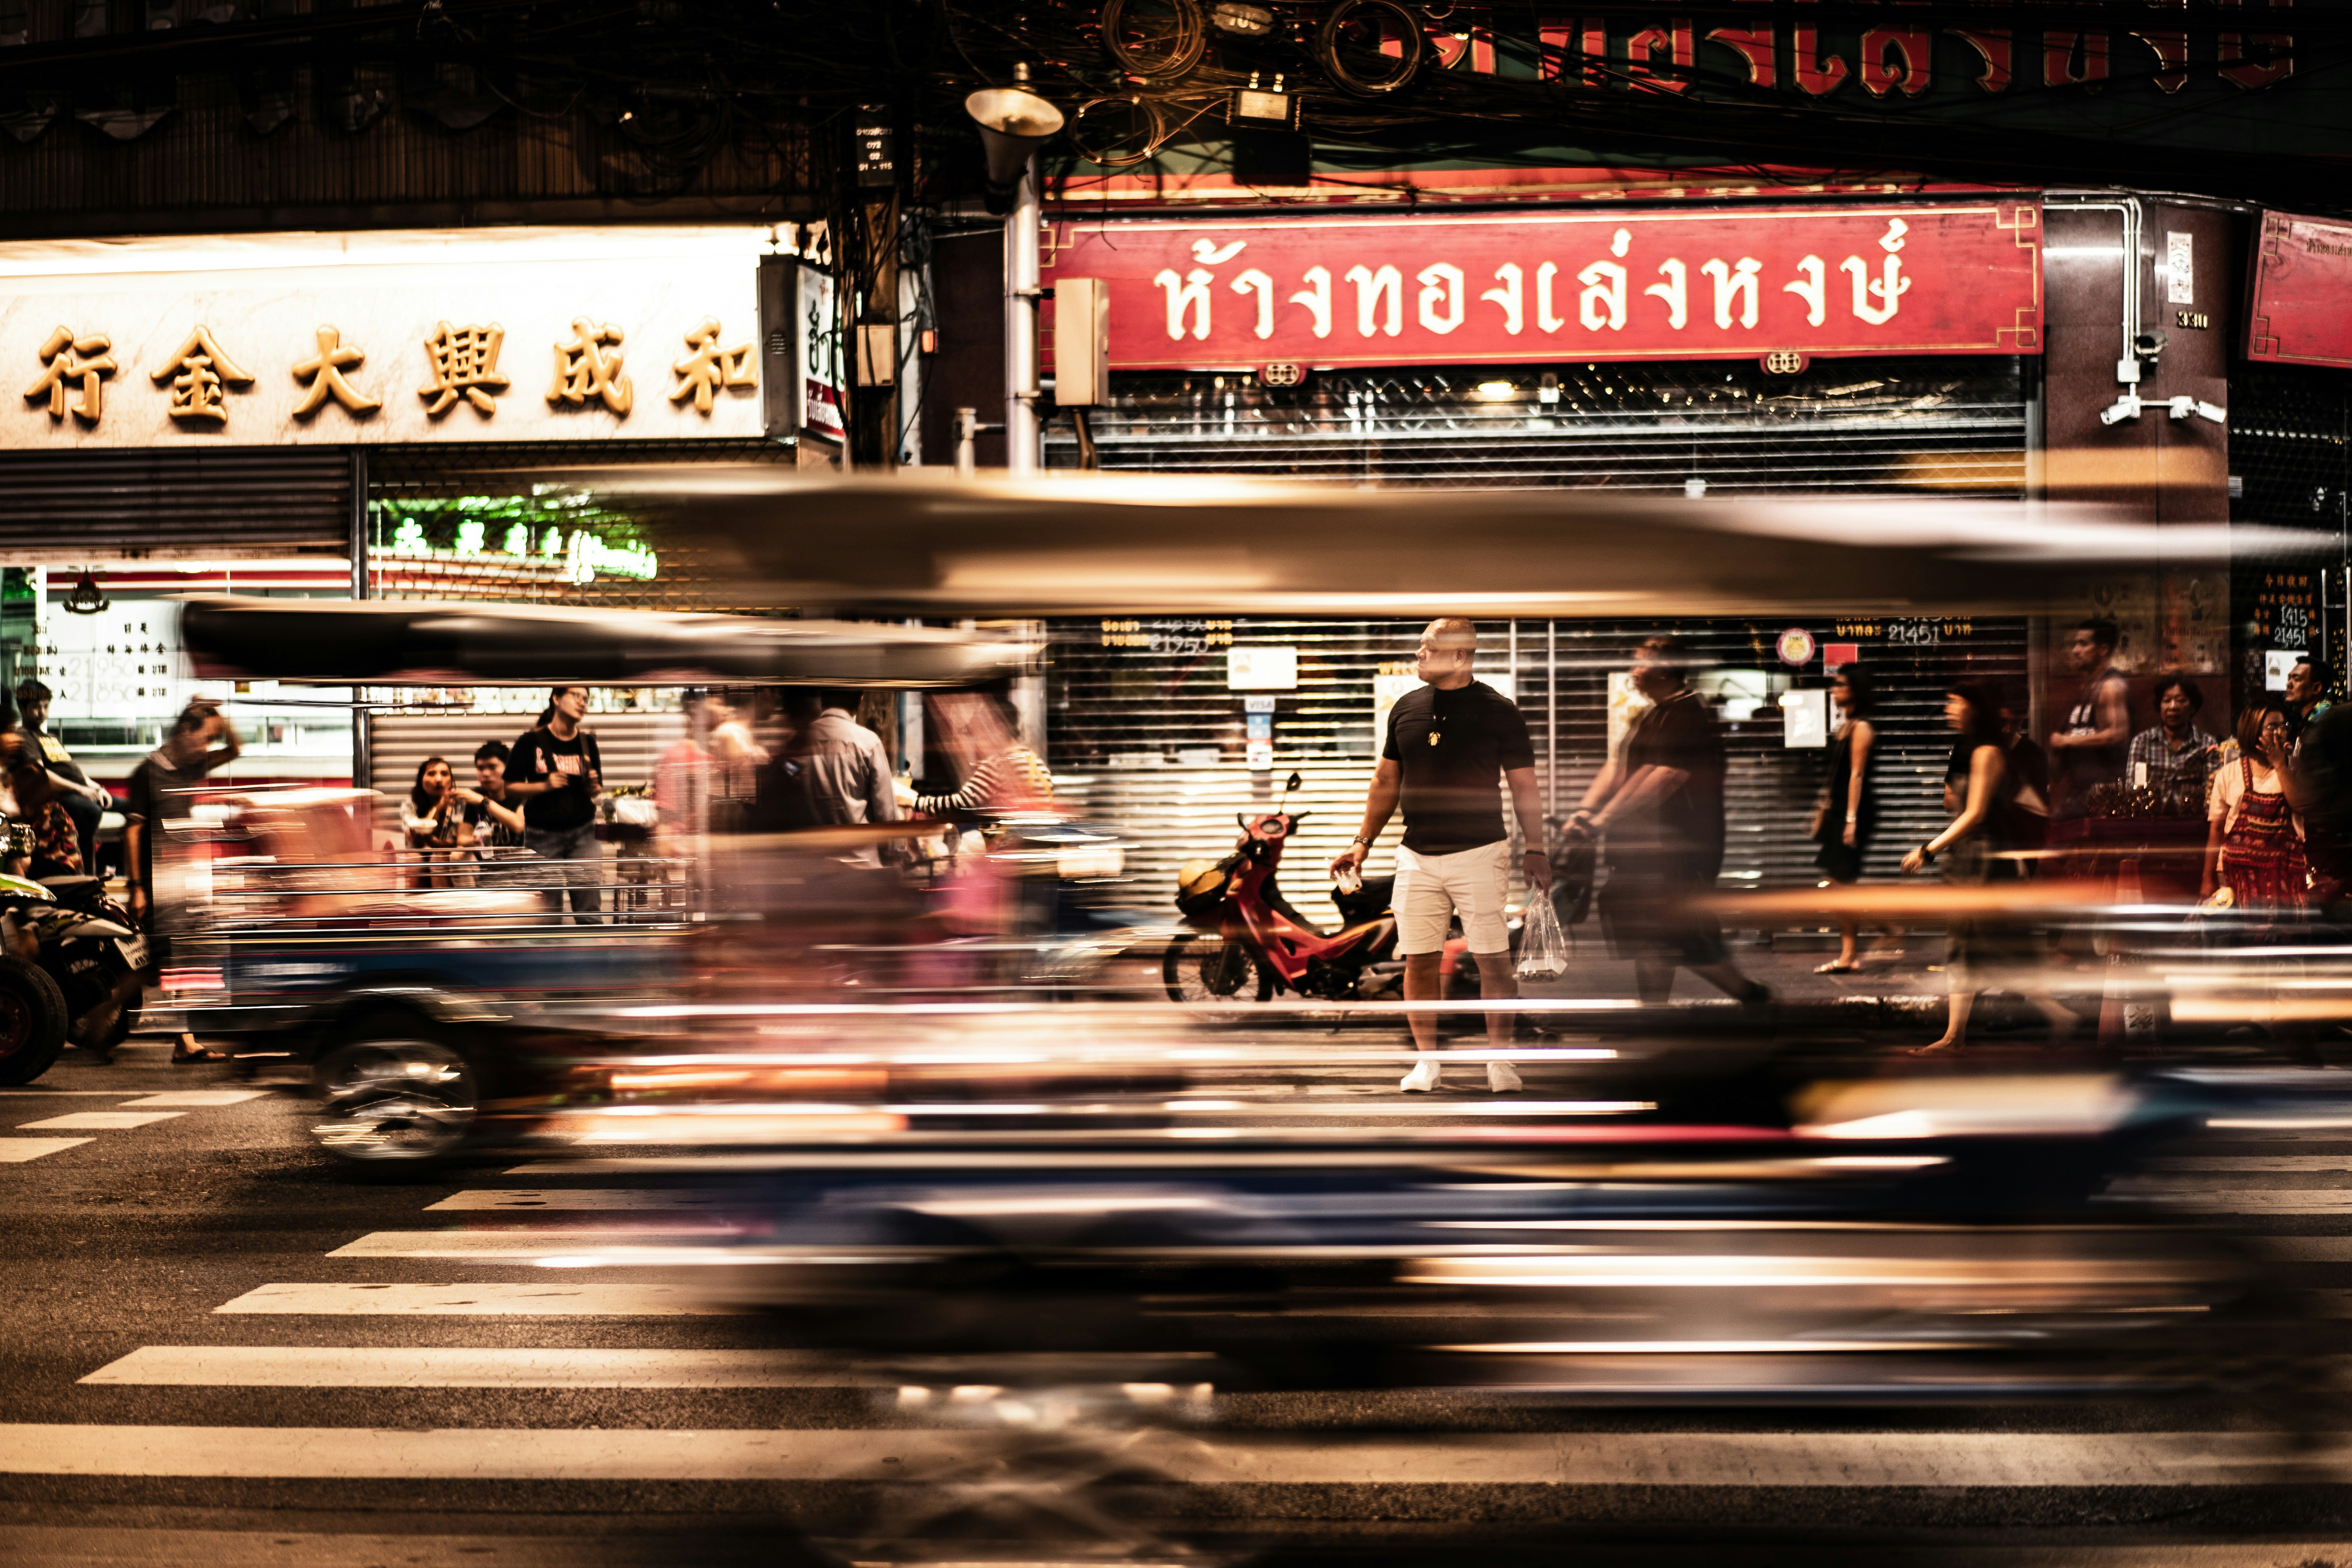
(2249, 1200)
(307, 1366)
(16, 1150)
(526, 1244)
(586, 1198)
(104, 1121)
(530, 1299)
(2267, 1164)
(1939, 1459)
(195, 1097)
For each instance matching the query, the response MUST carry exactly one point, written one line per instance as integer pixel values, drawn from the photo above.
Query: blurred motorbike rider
(1447, 741)
(86, 800)
(1660, 805)
(162, 790)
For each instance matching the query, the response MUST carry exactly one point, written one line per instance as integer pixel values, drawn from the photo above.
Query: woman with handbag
(1848, 811)
(2253, 842)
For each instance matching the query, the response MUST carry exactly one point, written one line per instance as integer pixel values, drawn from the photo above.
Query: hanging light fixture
(86, 598)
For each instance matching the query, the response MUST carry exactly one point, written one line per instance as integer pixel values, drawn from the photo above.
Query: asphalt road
(217, 1348)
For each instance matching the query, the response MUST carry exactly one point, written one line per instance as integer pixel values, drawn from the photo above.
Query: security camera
(2149, 344)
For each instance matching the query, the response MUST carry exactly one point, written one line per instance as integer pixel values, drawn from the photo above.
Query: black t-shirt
(1453, 748)
(1680, 733)
(538, 757)
(157, 794)
(2325, 761)
(488, 829)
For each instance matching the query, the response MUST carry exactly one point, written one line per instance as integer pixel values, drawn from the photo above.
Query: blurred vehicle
(435, 1018)
(66, 931)
(1647, 1224)
(1249, 943)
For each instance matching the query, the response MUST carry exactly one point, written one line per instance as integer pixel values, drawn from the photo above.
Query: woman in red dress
(2254, 843)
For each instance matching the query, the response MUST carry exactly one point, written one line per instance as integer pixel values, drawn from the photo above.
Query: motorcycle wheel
(32, 1021)
(401, 1094)
(1208, 971)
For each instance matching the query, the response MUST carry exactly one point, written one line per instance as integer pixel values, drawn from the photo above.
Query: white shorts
(1471, 883)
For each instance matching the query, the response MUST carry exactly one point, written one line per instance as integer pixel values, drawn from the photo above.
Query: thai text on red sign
(1734, 283)
(2303, 276)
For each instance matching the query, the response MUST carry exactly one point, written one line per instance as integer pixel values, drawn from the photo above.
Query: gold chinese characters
(198, 374)
(582, 370)
(709, 367)
(200, 379)
(62, 356)
(325, 374)
(464, 364)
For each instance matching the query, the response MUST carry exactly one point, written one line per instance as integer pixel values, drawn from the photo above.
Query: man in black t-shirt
(1660, 803)
(1451, 745)
(555, 771)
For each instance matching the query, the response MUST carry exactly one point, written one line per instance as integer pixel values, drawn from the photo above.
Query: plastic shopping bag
(1543, 949)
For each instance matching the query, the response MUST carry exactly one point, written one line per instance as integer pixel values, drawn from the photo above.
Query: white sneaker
(1502, 1077)
(1422, 1079)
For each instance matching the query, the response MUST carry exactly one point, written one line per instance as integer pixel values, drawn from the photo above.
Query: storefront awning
(1137, 544)
(339, 643)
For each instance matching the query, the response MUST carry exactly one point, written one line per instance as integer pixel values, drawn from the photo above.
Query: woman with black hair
(1848, 811)
(1985, 951)
(434, 819)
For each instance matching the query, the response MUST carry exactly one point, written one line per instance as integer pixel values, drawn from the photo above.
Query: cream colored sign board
(421, 337)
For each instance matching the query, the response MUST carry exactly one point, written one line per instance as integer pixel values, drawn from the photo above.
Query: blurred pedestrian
(1449, 741)
(433, 822)
(2320, 783)
(999, 772)
(2174, 759)
(832, 772)
(1659, 803)
(2090, 747)
(162, 789)
(2254, 843)
(1987, 950)
(556, 771)
(1848, 813)
(81, 798)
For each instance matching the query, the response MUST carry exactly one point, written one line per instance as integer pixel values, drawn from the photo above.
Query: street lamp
(1013, 123)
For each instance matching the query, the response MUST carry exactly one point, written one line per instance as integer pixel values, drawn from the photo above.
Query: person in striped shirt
(1009, 775)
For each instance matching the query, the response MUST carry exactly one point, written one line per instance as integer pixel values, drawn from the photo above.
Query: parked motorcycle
(68, 934)
(1249, 943)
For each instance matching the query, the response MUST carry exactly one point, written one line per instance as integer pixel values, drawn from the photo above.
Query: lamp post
(1015, 122)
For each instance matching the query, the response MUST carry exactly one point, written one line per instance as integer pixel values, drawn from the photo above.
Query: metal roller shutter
(77, 508)
(1148, 739)
(1894, 426)
(1134, 725)
(398, 744)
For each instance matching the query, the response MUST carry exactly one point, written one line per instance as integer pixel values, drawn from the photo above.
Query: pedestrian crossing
(400, 1310)
(132, 1111)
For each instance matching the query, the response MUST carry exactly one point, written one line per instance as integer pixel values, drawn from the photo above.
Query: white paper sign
(1804, 719)
(1262, 668)
(2278, 663)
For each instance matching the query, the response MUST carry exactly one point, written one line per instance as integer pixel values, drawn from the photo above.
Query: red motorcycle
(1249, 943)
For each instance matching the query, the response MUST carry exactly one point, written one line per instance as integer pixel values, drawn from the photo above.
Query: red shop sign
(2303, 276)
(1732, 283)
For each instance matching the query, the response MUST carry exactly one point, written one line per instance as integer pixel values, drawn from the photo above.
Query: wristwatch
(1360, 838)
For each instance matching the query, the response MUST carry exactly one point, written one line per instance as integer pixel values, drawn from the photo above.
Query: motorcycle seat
(76, 891)
(1368, 902)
